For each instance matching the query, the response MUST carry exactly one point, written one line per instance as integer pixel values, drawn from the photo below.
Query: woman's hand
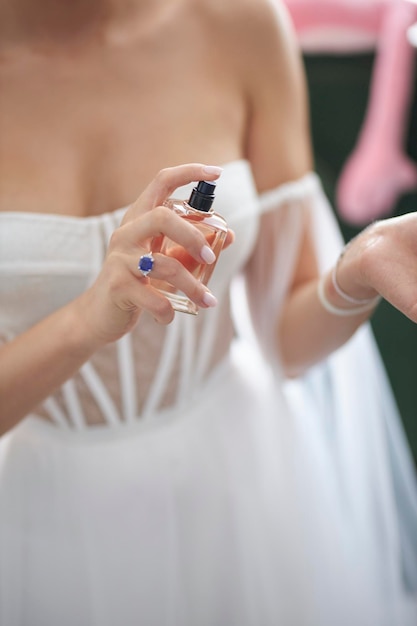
(383, 259)
(113, 304)
(50, 352)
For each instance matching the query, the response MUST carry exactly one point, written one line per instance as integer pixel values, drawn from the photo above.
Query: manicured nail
(207, 254)
(209, 299)
(212, 169)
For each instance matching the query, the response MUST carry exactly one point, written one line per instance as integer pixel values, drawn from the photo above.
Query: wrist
(348, 282)
(348, 299)
(80, 335)
(334, 301)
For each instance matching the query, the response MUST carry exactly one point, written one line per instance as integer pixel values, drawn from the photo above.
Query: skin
(100, 66)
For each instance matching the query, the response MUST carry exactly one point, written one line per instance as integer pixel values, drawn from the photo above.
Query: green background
(339, 88)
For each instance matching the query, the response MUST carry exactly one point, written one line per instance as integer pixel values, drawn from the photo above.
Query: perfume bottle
(198, 210)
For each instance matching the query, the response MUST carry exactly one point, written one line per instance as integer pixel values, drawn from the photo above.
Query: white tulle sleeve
(346, 401)
(284, 213)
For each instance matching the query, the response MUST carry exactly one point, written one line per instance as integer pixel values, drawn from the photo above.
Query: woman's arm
(34, 364)
(279, 149)
(307, 332)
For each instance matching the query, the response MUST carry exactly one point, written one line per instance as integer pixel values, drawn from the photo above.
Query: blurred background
(362, 78)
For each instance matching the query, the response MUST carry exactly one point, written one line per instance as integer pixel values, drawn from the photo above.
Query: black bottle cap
(202, 196)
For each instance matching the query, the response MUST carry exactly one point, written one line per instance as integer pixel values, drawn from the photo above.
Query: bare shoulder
(255, 43)
(258, 26)
(254, 38)
(239, 11)
(268, 59)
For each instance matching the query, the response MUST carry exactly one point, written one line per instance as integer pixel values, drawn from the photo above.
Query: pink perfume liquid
(214, 229)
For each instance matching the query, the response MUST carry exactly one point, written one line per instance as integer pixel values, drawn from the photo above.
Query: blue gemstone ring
(145, 264)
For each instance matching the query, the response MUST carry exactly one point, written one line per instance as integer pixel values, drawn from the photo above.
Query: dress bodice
(47, 260)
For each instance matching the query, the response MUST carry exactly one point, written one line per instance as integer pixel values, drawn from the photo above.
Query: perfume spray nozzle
(202, 196)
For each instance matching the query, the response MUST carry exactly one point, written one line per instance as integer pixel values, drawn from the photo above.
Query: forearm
(307, 333)
(39, 360)
(380, 262)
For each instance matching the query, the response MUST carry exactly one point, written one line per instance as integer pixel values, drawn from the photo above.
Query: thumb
(169, 179)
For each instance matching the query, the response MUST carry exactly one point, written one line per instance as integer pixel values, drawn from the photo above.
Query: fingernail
(207, 254)
(212, 169)
(209, 299)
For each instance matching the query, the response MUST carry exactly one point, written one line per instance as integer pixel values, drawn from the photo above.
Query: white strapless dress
(178, 479)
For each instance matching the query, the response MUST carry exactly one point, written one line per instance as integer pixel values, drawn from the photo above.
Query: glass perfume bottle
(198, 210)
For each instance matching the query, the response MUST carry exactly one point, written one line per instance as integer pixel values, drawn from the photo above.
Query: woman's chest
(48, 260)
(94, 134)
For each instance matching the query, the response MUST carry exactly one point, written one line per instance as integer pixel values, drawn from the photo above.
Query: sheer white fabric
(178, 479)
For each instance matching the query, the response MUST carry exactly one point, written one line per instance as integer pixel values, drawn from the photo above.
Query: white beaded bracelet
(335, 310)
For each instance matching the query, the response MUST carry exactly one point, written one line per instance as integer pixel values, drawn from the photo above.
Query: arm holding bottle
(39, 360)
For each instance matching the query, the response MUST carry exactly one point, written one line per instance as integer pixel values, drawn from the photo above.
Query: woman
(156, 473)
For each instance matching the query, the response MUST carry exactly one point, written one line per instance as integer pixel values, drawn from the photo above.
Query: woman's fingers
(140, 295)
(230, 237)
(121, 291)
(165, 183)
(168, 271)
(130, 289)
(162, 221)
